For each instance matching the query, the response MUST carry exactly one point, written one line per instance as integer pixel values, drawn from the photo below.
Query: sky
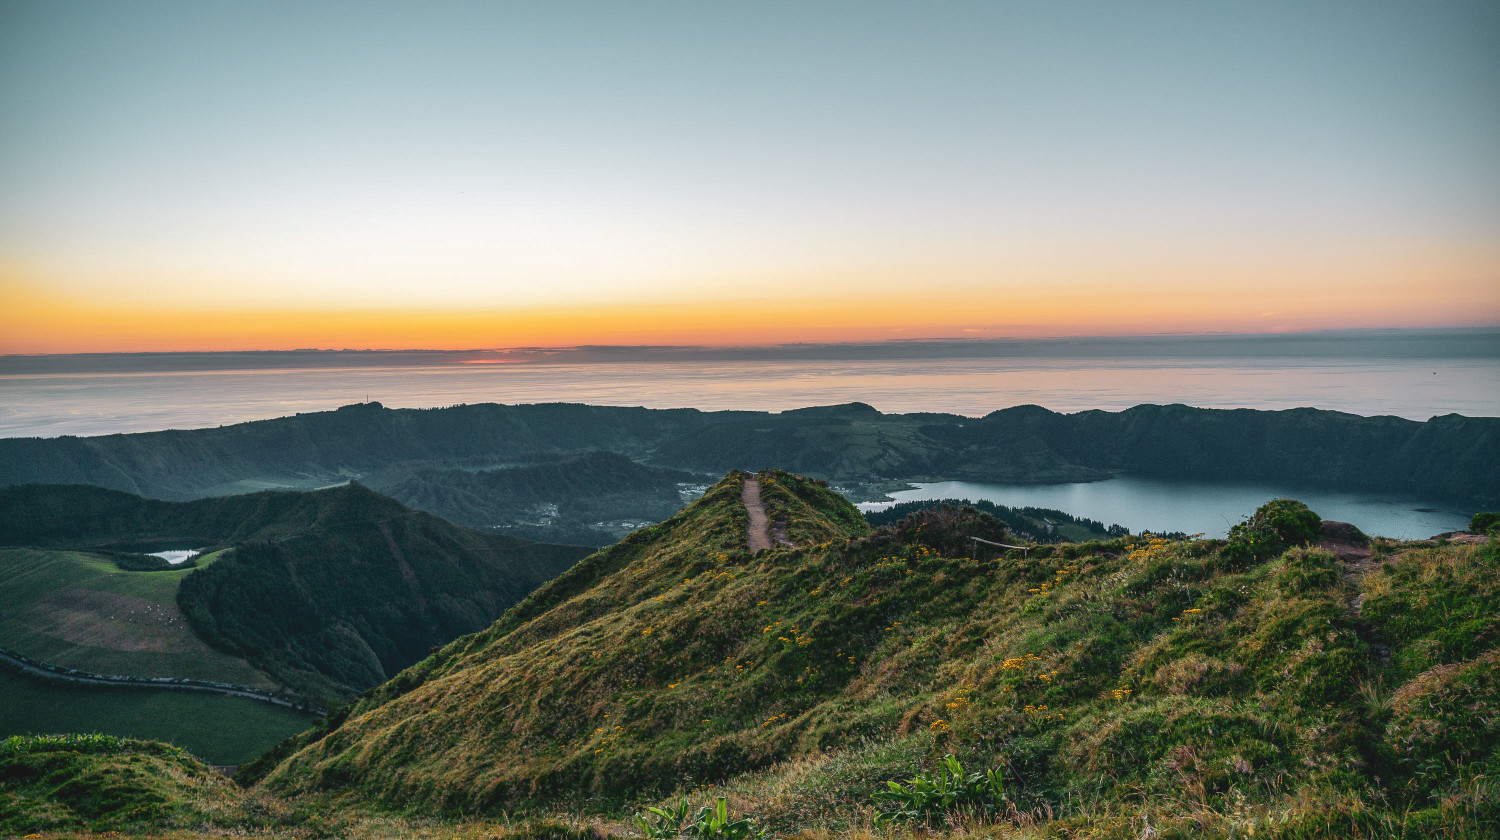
(180, 176)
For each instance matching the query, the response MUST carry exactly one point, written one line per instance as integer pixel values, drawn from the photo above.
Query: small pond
(176, 556)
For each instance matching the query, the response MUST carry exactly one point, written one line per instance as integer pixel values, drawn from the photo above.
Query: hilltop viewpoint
(1297, 679)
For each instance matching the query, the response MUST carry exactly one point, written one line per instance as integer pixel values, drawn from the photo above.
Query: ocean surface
(1199, 507)
(96, 403)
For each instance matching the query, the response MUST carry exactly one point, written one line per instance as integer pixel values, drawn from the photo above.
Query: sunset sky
(204, 175)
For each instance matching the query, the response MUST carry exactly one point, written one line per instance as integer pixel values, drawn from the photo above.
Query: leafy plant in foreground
(663, 823)
(938, 793)
(712, 822)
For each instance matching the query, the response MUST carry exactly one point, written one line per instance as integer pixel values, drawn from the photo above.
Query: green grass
(1219, 689)
(216, 728)
(98, 781)
(324, 593)
(1205, 691)
(78, 610)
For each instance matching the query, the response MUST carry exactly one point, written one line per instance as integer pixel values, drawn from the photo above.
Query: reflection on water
(174, 557)
(91, 404)
(1194, 507)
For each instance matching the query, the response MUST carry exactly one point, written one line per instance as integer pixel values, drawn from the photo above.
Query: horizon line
(1351, 333)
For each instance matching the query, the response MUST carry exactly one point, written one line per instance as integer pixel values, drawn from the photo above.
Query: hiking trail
(760, 532)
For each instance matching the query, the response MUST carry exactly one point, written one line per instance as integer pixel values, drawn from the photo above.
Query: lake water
(49, 405)
(175, 557)
(1193, 507)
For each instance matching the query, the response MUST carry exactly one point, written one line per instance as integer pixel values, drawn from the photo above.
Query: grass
(1110, 686)
(98, 781)
(78, 610)
(324, 593)
(217, 728)
(1199, 686)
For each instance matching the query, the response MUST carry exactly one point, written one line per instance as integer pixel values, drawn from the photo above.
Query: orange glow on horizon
(46, 310)
(39, 324)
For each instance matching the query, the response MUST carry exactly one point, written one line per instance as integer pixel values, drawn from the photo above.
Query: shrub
(1273, 528)
(1483, 522)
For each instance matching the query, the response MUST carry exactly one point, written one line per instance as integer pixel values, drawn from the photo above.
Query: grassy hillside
(105, 783)
(1446, 457)
(339, 609)
(79, 610)
(1259, 684)
(328, 592)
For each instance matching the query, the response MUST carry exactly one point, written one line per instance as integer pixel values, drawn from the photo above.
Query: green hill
(327, 592)
(77, 609)
(101, 783)
(336, 610)
(1449, 457)
(77, 516)
(1262, 684)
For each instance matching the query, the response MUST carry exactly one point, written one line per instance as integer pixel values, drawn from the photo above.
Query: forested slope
(331, 592)
(564, 500)
(1452, 457)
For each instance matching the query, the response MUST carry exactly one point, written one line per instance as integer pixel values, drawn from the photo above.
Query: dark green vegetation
(102, 782)
(218, 728)
(78, 609)
(82, 516)
(406, 581)
(1449, 457)
(1031, 524)
(1310, 683)
(576, 501)
(328, 592)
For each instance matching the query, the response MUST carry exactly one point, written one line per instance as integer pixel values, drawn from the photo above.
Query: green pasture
(78, 610)
(214, 727)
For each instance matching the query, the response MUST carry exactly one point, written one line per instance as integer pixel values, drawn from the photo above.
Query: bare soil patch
(759, 530)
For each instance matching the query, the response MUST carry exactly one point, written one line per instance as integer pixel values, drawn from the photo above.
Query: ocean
(49, 404)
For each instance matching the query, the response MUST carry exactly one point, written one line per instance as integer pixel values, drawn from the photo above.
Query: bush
(1273, 528)
(1483, 522)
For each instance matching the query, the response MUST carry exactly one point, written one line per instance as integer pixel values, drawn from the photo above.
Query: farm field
(216, 728)
(78, 610)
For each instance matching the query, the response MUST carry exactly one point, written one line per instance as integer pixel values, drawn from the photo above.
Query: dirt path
(760, 532)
